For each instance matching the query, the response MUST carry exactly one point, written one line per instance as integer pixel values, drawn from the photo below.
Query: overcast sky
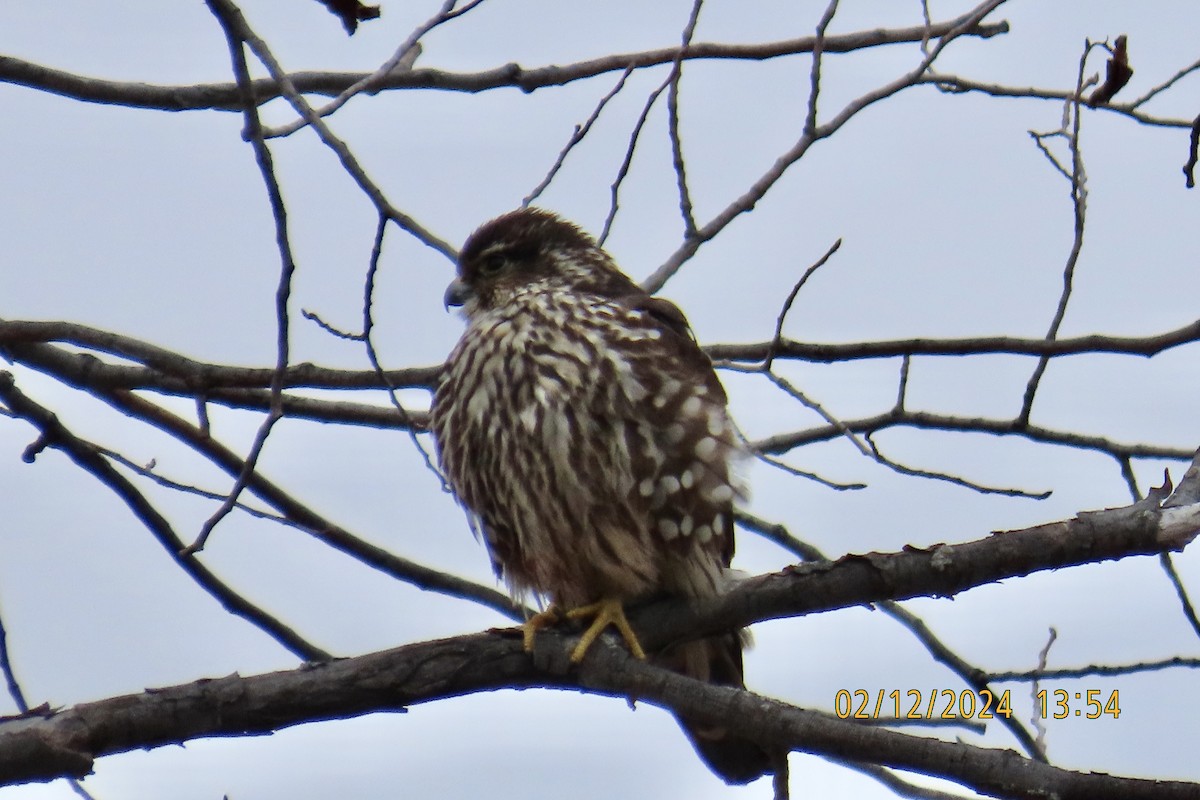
(156, 225)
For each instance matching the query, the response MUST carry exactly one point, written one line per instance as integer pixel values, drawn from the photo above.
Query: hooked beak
(457, 293)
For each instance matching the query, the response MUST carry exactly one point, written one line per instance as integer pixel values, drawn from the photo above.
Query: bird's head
(530, 248)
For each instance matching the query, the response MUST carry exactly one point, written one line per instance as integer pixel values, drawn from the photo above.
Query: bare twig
(814, 76)
(1092, 670)
(946, 477)
(685, 195)
(899, 786)
(775, 532)
(1078, 181)
(10, 677)
(773, 348)
(53, 433)
(235, 28)
(306, 519)
(401, 60)
(782, 465)
(627, 162)
(236, 24)
(1037, 719)
(1185, 602)
(1193, 154)
(971, 675)
(783, 442)
(760, 187)
(577, 136)
(368, 327)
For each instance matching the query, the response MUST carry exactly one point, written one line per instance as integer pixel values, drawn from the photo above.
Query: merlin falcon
(586, 434)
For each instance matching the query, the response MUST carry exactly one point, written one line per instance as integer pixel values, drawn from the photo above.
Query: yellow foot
(535, 623)
(604, 613)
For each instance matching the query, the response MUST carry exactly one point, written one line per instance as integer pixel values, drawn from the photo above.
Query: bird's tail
(718, 660)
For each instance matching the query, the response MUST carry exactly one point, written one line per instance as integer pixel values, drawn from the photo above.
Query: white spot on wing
(668, 529)
(716, 423)
(721, 494)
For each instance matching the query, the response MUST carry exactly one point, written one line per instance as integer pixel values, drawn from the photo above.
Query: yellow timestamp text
(1087, 704)
(968, 704)
(922, 704)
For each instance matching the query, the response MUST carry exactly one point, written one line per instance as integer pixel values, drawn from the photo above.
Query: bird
(587, 435)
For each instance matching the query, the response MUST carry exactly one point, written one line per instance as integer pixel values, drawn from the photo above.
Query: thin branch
(577, 136)
(233, 18)
(782, 465)
(946, 477)
(783, 442)
(1078, 183)
(309, 521)
(761, 186)
(899, 786)
(627, 162)
(149, 473)
(234, 29)
(1185, 602)
(959, 85)
(773, 348)
(1189, 166)
(10, 676)
(806, 401)
(174, 372)
(814, 78)
(685, 195)
(1037, 720)
(401, 60)
(902, 383)
(53, 433)
(368, 327)
(1167, 84)
(971, 675)
(1094, 670)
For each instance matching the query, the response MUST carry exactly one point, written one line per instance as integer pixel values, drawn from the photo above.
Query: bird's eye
(493, 263)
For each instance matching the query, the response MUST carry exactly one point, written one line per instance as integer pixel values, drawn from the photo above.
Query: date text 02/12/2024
(969, 704)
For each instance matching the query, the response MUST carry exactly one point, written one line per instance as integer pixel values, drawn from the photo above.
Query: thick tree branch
(224, 96)
(169, 370)
(48, 744)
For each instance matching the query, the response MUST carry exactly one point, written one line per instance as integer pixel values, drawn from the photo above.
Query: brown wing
(685, 477)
